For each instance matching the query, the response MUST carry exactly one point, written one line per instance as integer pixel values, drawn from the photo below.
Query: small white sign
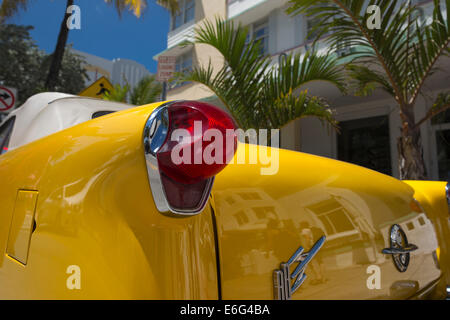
(166, 68)
(8, 98)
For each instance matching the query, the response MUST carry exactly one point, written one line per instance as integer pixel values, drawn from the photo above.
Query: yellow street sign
(97, 89)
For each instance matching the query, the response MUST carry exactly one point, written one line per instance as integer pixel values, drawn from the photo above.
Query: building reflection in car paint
(352, 244)
(261, 227)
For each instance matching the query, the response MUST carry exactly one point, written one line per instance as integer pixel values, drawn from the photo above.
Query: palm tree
(147, 90)
(118, 93)
(258, 95)
(398, 58)
(10, 7)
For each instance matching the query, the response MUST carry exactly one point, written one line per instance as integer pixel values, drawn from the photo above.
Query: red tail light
(187, 143)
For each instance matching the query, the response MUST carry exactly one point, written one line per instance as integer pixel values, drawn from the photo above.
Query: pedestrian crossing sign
(97, 89)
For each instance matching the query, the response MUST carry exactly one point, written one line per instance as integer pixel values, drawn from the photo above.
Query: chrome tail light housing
(181, 155)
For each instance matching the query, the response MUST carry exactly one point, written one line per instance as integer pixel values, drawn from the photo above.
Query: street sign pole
(166, 70)
(164, 91)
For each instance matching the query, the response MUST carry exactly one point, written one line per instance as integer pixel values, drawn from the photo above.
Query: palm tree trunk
(58, 54)
(411, 162)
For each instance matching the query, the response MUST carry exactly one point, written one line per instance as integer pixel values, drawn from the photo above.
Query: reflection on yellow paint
(263, 220)
(96, 211)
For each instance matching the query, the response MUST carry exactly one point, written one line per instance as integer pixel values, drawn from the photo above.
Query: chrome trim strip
(401, 250)
(155, 135)
(447, 195)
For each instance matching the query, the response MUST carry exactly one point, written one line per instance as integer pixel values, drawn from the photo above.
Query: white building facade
(369, 126)
(182, 27)
(118, 71)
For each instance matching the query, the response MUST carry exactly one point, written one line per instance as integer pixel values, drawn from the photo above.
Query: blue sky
(102, 32)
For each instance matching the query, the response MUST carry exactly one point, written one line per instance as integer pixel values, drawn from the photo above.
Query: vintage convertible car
(92, 206)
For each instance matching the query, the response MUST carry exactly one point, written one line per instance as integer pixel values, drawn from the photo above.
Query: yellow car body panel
(22, 225)
(98, 234)
(95, 211)
(259, 226)
(431, 195)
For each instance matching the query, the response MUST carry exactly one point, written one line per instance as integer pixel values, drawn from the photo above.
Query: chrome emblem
(400, 248)
(285, 282)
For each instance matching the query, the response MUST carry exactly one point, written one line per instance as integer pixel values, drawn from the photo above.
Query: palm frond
(403, 49)
(432, 43)
(8, 8)
(346, 22)
(118, 93)
(291, 106)
(257, 94)
(172, 5)
(147, 90)
(367, 80)
(136, 6)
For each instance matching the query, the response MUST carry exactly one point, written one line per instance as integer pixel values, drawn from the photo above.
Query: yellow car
(93, 205)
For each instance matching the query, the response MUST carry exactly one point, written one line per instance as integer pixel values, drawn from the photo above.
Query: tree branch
(430, 114)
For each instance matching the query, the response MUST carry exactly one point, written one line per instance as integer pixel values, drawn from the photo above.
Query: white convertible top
(50, 112)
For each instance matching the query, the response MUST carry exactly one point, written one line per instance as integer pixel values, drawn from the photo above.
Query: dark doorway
(443, 156)
(441, 127)
(366, 142)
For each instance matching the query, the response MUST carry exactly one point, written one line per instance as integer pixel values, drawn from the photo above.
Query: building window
(440, 125)
(410, 226)
(241, 218)
(261, 35)
(443, 153)
(421, 221)
(185, 14)
(312, 22)
(183, 65)
(418, 19)
(334, 217)
(310, 33)
(344, 49)
(259, 32)
(366, 142)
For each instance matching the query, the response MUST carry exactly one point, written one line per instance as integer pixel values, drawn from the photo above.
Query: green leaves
(403, 50)
(8, 8)
(146, 91)
(171, 5)
(25, 67)
(118, 93)
(137, 6)
(432, 43)
(367, 80)
(257, 93)
(397, 57)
